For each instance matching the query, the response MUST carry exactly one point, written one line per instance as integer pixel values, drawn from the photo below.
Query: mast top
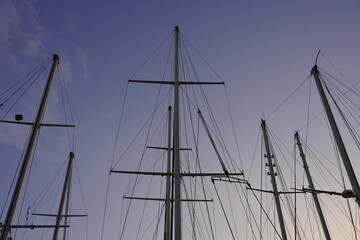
(176, 28)
(314, 70)
(56, 57)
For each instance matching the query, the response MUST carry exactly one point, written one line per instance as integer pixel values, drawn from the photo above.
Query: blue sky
(262, 50)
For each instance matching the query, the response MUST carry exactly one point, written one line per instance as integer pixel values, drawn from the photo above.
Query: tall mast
(64, 195)
(269, 157)
(173, 214)
(311, 186)
(168, 211)
(29, 151)
(177, 178)
(338, 139)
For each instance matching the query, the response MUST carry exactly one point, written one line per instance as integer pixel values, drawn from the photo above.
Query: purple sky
(262, 50)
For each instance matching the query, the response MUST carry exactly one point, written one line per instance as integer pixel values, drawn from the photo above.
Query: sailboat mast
(269, 157)
(177, 179)
(64, 194)
(339, 142)
(167, 231)
(29, 151)
(311, 186)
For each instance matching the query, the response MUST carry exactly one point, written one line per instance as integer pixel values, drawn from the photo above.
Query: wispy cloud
(13, 135)
(21, 33)
(24, 40)
(83, 63)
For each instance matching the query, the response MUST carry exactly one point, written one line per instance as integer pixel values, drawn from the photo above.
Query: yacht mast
(270, 164)
(64, 195)
(168, 211)
(173, 219)
(339, 142)
(29, 152)
(176, 151)
(311, 186)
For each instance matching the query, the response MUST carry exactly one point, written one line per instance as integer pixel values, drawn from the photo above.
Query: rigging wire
(192, 191)
(217, 131)
(151, 55)
(143, 153)
(82, 194)
(30, 75)
(349, 89)
(287, 98)
(232, 211)
(112, 160)
(13, 180)
(36, 74)
(307, 125)
(142, 128)
(267, 215)
(151, 179)
(196, 141)
(31, 84)
(25, 190)
(198, 166)
(233, 129)
(333, 65)
(222, 207)
(337, 107)
(350, 130)
(65, 97)
(50, 146)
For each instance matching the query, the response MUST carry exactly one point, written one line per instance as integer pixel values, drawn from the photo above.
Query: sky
(263, 50)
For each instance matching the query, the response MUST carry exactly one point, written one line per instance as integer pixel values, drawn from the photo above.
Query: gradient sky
(262, 50)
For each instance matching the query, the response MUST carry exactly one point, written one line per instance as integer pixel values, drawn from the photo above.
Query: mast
(311, 186)
(29, 151)
(338, 139)
(176, 152)
(168, 184)
(269, 157)
(64, 195)
(173, 189)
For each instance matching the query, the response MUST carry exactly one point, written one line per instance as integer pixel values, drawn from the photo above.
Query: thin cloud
(21, 33)
(83, 63)
(14, 135)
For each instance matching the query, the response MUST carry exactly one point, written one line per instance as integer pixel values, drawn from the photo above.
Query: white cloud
(83, 63)
(21, 33)
(65, 68)
(22, 46)
(13, 134)
(9, 17)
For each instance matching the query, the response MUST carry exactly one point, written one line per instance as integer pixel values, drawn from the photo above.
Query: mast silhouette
(29, 152)
(168, 209)
(173, 214)
(338, 139)
(270, 164)
(177, 178)
(312, 187)
(64, 196)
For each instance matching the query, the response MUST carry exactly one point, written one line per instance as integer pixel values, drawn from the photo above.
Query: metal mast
(177, 178)
(269, 157)
(173, 214)
(168, 211)
(311, 186)
(64, 195)
(338, 139)
(29, 152)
